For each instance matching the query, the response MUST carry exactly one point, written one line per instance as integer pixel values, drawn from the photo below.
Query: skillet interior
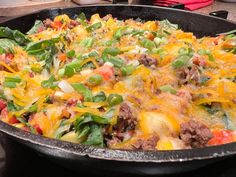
(200, 25)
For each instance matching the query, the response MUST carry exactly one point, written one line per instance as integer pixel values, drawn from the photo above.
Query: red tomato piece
(38, 129)
(56, 24)
(13, 120)
(106, 71)
(9, 56)
(10, 120)
(3, 104)
(221, 137)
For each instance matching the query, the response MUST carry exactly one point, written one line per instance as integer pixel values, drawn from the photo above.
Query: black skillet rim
(79, 150)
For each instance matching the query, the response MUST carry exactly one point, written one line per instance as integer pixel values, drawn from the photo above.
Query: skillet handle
(221, 14)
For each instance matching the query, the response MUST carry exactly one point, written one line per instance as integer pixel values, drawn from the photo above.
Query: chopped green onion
(87, 42)
(147, 43)
(69, 71)
(33, 108)
(49, 83)
(119, 33)
(110, 42)
(13, 79)
(70, 54)
(112, 51)
(82, 19)
(94, 26)
(127, 70)
(180, 61)
(9, 84)
(95, 80)
(206, 52)
(80, 88)
(168, 88)
(114, 99)
(116, 62)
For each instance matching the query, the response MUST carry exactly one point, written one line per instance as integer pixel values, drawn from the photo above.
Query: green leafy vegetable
(100, 97)
(12, 107)
(95, 137)
(229, 124)
(7, 46)
(37, 25)
(15, 35)
(64, 128)
(43, 50)
(89, 127)
(166, 27)
(49, 83)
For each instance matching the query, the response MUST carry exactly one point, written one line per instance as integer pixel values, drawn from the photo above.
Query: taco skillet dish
(120, 84)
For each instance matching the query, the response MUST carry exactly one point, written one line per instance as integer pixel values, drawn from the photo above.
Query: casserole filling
(121, 84)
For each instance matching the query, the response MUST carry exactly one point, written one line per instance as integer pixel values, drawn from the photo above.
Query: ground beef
(124, 129)
(146, 144)
(71, 102)
(47, 23)
(73, 24)
(189, 75)
(148, 61)
(107, 17)
(195, 134)
(126, 121)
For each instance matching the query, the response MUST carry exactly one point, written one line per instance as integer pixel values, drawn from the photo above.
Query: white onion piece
(133, 62)
(109, 64)
(86, 72)
(65, 87)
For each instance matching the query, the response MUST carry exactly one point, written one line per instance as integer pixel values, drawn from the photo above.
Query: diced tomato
(56, 24)
(221, 137)
(3, 104)
(217, 39)
(9, 119)
(72, 102)
(9, 56)
(13, 120)
(106, 71)
(31, 74)
(25, 128)
(38, 129)
(199, 62)
(40, 29)
(62, 57)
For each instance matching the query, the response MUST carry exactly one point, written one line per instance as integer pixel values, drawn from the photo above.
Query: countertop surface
(217, 5)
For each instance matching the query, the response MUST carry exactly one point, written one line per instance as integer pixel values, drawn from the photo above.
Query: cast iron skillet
(125, 161)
